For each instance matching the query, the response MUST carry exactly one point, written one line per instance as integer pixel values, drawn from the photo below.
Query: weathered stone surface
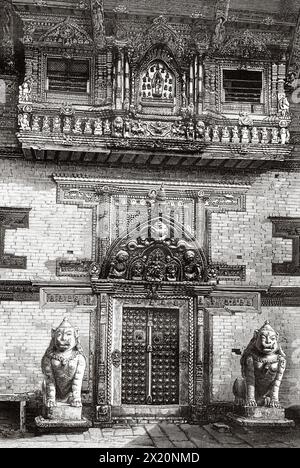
(261, 412)
(63, 412)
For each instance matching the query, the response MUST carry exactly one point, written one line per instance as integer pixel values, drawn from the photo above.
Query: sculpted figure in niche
(137, 271)
(63, 366)
(283, 106)
(192, 270)
(263, 365)
(118, 267)
(158, 85)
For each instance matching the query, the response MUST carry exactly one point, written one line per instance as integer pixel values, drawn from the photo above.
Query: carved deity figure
(118, 126)
(46, 125)
(63, 366)
(263, 365)
(56, 124)
(216, 134)
(275, 135)
(157, 85)
(255, 136)
(107, 127)
(36, 124)
(24, 122)
(264, 135)
(225, 135)
(98, 21)
(78, 128)
(219, 32)
(207, 135)
(190, 130)
(88, 127)
(25, 92)
(284, 136)
(178, 130)
(283, 106)
(200, 129)
(245, 135)
(245, 120)
(137, 128)
(235, 134)
(98, 127)
(137, 271)
(118, 267)
(67, 125)
(192, 270)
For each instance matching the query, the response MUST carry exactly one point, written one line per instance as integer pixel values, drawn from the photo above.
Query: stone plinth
(62, 417)
(260, 416)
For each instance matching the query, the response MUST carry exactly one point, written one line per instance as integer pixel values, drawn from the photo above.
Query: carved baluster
(275, 140)
(57, 124)
(36, 124)
(46, 125)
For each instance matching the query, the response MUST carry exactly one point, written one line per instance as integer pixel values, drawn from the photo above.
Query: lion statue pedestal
(63, 366)
(257, 392)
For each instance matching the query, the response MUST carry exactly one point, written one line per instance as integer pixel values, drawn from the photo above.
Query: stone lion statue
(63, 366)
(263, 364)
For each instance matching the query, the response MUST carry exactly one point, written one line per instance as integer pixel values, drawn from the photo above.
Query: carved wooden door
(150, 356)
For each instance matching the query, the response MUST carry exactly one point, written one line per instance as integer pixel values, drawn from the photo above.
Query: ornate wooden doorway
(150, 356)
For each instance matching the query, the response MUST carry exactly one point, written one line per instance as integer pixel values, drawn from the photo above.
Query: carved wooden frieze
(75, 268)
(67, 297)
(288, 228)
(12, 218)
(18, 291)
(233, 301)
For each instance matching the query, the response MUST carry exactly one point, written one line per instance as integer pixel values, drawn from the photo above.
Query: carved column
(200, 87)
(191, 83)
(274, 87)
(103, 411)
(119, 80)
(127, 80)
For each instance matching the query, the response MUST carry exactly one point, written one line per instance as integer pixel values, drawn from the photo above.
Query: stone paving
(162, 435)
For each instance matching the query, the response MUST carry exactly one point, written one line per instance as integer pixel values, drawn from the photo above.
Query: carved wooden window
(12, 218)
(287, 229)
(158, 83)
(243, 86)
(68, 75)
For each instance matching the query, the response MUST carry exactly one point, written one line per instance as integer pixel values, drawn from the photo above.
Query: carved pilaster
(199, 378)
(102, 397)
(109, 75)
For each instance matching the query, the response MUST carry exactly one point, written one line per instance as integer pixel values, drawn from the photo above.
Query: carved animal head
(65, 337)
(266, 339)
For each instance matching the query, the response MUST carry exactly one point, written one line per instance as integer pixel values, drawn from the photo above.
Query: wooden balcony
(126, 140)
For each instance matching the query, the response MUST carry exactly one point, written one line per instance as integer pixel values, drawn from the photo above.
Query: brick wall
(243, 238)
(249, 235)
(235, 332)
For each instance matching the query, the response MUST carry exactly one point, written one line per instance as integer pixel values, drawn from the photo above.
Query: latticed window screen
(68, 75)
(242, 86)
